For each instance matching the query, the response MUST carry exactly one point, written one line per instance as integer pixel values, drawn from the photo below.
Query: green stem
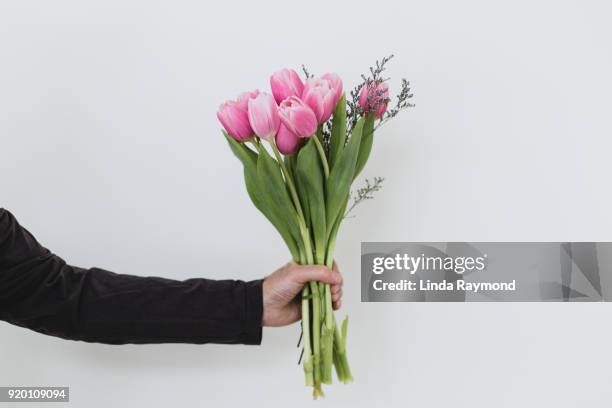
(329, 312)
(330, 321)
(320, 298)
(316, 332)
(307, 245)
(339, 342)
(339, 367)
(327, 318)
(340, 359)
(327, 334)
(333, 234)
(254, 142)
(308, 359)
(322, 155)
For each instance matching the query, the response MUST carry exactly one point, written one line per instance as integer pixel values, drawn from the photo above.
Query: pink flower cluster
(294, 110)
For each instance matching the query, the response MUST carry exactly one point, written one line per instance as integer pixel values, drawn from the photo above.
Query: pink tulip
(286, 141)
(322, 95)
(243, 98)
(286, 83)
(374, 97)
(298, 117)
(335, 83)
(263, 115)
(235, 120)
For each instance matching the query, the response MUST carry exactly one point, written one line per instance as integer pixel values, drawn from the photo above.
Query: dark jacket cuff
(254, 312)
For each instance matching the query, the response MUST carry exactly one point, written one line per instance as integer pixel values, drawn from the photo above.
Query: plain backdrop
(111, 154)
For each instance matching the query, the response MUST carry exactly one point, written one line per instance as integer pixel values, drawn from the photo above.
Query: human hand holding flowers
(281, 305)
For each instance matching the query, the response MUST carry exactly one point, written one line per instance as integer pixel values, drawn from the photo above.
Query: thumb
(320, 273)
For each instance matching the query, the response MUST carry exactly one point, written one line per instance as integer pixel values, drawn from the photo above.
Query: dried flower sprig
(365, 193)
(307, 73)
(401, 103)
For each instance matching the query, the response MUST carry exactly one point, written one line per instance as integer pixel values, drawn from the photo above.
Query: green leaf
(338, 131)
(249, 160)
(247, 156)
(366, 144)
(311, 188)
(341, 175)
(275, 195)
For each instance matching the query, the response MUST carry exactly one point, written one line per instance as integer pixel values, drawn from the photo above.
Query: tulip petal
(286, 83)
(235, 120)
(263, 115)
(287, 141)
(298, 117)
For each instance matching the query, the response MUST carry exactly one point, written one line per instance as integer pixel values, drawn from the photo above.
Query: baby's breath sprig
(365, 193)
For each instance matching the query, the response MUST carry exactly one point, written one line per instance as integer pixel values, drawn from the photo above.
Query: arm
(39, 291)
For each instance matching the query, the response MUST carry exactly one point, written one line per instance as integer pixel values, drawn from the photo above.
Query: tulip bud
(321, 97)
(263, 115)
(286, 141)
(235, 120)
(298, 117)
(286, 83)
(374, 97)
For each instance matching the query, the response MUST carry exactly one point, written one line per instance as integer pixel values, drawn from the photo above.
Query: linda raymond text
(444, 285)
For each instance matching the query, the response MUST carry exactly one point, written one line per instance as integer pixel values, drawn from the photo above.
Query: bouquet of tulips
(302, 147)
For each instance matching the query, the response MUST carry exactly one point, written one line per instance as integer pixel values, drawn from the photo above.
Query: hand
(282, 291)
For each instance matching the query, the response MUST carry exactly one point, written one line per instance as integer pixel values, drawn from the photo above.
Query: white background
(111, 154)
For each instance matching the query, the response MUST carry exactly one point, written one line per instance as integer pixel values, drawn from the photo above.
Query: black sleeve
(39, 291)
